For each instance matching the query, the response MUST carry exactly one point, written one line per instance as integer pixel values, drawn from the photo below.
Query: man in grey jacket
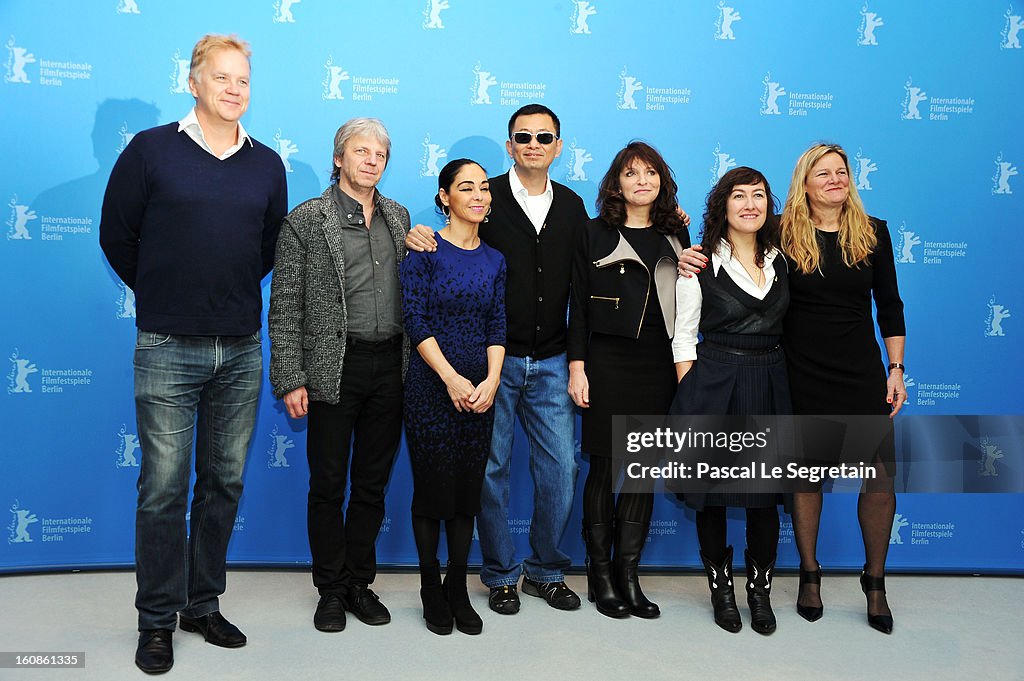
(337, 354)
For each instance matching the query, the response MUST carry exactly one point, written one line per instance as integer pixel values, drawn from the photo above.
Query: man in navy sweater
(189, 223)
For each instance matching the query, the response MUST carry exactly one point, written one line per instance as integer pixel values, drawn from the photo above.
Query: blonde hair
(210, 42)
(857, 238)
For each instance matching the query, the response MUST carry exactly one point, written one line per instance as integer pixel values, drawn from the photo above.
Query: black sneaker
(557, 594)
(504, 600)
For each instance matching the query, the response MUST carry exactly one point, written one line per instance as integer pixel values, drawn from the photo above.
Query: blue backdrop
(926, 98)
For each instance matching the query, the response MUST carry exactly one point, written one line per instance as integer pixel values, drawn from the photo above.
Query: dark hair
(446, 178)
(530, 110)
(612, 207)
(716, 224)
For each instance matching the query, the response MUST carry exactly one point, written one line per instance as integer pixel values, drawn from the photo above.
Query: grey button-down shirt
(372, 292)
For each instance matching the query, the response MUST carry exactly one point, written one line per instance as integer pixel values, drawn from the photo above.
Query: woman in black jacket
(621, 316)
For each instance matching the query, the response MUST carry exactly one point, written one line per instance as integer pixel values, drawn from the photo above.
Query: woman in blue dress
(453, 301)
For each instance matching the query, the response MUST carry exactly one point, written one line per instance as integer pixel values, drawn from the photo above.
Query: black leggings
(762, 533)
(427, 532)
(599, 503)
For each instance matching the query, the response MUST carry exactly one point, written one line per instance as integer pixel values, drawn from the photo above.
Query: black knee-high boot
(600, 586)
(630, 538)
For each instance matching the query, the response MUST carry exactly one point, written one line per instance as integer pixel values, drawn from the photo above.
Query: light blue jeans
(201, 388)
(536, 391)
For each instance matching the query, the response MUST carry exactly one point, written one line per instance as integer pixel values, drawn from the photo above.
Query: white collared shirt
(689, 297)
(535, 207)
(190, 124)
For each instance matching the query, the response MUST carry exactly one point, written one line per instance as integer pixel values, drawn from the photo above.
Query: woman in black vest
(621, 315)
(737, 304)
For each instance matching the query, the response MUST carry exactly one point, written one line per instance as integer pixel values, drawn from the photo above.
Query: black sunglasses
(525, 137)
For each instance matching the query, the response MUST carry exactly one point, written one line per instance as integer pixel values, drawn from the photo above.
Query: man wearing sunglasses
(534, 223)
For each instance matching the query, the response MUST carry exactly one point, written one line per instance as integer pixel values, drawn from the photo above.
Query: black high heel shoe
(882, 623)
(810, 613)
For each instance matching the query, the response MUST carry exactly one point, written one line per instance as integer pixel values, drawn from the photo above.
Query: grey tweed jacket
(308, 319)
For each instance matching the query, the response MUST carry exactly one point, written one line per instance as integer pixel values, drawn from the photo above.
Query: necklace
(756, 273)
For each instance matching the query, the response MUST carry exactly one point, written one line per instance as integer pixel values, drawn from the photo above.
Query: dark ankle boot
(759, 585)
(466, 619)
(600, 587)
(882, 623)
(435, 606)
(811, 613)
(630, 538)
(723, 597)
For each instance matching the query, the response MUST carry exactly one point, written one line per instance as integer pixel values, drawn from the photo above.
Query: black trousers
(363, 429)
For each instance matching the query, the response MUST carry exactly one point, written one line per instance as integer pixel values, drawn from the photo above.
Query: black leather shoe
(155, 655)
(366, 606)
(330, 614)
(504, 600)
(558, 594)
(215, 629)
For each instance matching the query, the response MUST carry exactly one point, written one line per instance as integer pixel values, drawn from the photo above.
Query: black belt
(740, 351)
(373, 345)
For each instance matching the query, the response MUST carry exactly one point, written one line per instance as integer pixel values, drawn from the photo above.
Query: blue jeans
(536, 391)
(206, 388)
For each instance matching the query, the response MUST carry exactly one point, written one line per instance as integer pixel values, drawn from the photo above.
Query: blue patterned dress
(458, 298)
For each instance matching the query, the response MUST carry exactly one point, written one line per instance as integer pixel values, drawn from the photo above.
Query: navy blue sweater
(193, 235)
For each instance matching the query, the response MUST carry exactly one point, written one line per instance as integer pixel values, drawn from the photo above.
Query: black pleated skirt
(723, 382)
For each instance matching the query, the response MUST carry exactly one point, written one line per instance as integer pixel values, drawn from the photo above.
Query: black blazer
(611, 286)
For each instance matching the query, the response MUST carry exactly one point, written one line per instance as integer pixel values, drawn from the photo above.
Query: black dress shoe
(504, 600)
(215, 629)
(330, 614)
(366, 605)
(155, 654)
(557, 594)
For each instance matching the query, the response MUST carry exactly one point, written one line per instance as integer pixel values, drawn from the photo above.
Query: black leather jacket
(611, 286)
